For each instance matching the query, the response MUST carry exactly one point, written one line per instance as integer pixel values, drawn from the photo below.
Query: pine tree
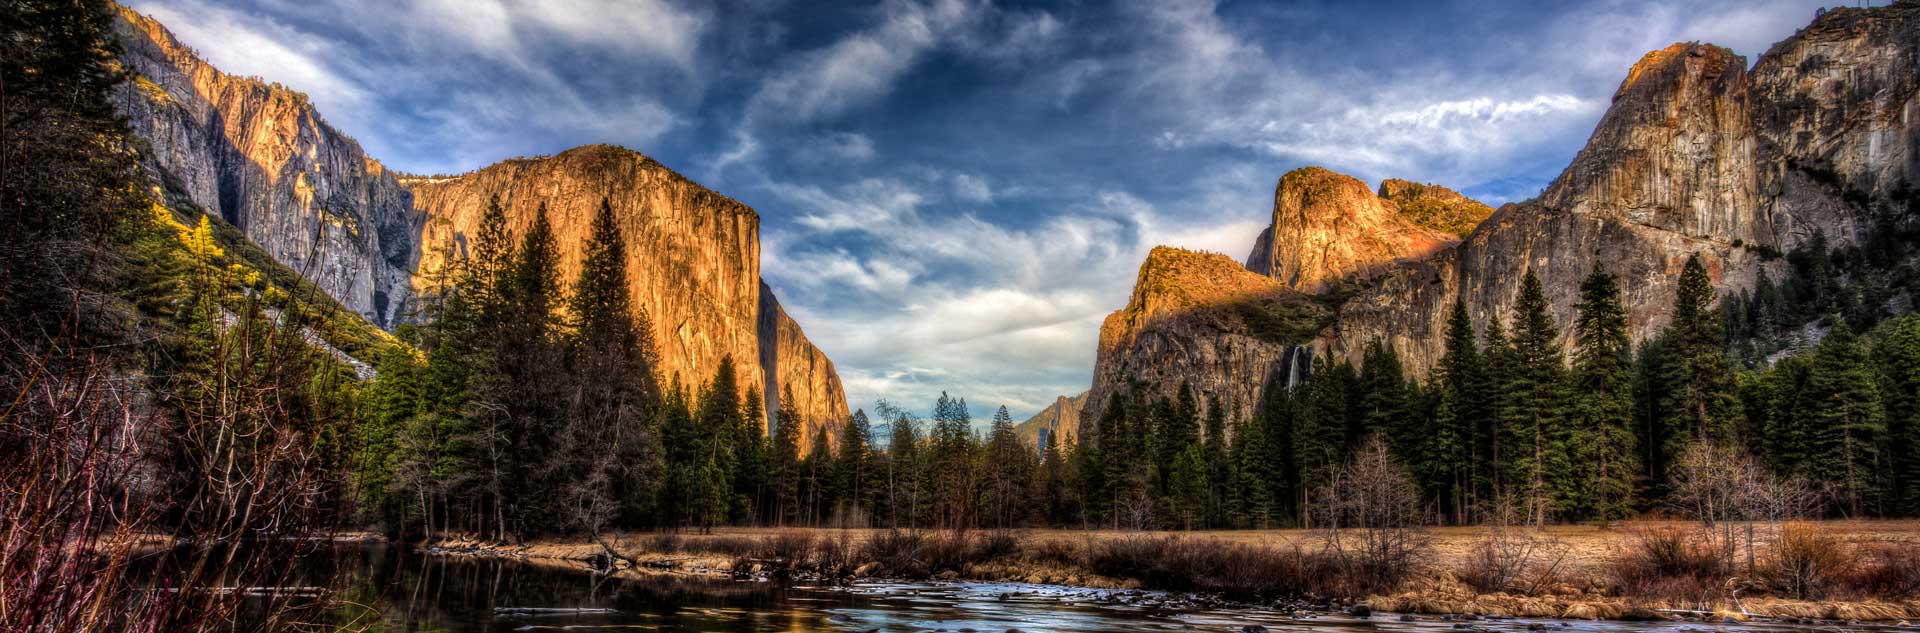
(1849, 420)
(852, 466)
(1214, 456)
(1700, 400)
(1126, 461)
(1009, 467)
(1188, 487)
(1451, 450)
(1253, 499)
(1534, 400)
(683, 494)
(906, 489)
(753, 462)
(529, 389)
(711, 494)
(1780, 406)
(382, 481)
(1176, 425)
(613, 448)
(1088, 463)
(1319, 433)
(819, 492)
(1898, 353)
(784, 473)
(1600, 439)
(1496, 373)
(953, 476)
(493, 254)
(1052, 488)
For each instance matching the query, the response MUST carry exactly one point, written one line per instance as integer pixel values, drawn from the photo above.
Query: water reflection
(397, 590)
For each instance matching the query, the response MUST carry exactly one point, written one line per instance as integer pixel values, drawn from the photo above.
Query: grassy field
(1588, 546)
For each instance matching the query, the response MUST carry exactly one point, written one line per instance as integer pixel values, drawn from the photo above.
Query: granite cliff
(1060, 421)
(1328, 228)
(1202, 319)
(693, 263)
(1696, 155)
(262, 156)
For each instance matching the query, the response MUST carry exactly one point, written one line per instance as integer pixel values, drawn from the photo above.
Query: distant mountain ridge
(1060, 421)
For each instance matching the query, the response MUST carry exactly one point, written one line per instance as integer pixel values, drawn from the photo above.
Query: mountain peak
(1435, 207)
(1678, 59)
(1328, 226)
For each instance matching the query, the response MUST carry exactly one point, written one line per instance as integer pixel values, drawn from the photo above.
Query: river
(399, 590)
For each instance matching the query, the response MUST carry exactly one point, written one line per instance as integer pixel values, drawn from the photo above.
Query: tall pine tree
(1600, 438)
(1534, 415)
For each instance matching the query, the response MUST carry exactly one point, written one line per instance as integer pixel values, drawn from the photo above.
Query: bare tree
(1730, 493)
(1373, 508)
(1513, 556)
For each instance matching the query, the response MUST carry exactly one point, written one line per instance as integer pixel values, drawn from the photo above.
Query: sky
(954, 193)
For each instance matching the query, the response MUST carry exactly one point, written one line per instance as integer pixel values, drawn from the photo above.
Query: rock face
(1696, 155)
(1060, 421)
(794, 367)
(260, 156)
(1328, 226)
(1203, 319)
(693, 262)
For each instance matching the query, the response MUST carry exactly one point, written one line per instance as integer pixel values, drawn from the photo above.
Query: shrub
(835, 556)
(1240, 571)
(1059, 551)
(1665, 562)
(1807, 563)
(1891, 570)
(946, 551)
(898, 552)
(1514, 560)
(998, 545)
(791, 546)
(724, 545)
(668, 543)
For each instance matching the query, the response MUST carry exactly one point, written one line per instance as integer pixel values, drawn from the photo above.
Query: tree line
(528, 407)
(1510, 419)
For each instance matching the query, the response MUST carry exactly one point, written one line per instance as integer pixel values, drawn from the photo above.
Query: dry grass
(1635, 570)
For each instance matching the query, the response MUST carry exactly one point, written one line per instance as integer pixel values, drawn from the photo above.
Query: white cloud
(642, 27)
(862, 66)
(850, 146)
(1010, 314)
(972, 188)
(858, 207)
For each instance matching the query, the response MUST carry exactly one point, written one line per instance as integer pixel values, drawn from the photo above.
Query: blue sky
(954, 193)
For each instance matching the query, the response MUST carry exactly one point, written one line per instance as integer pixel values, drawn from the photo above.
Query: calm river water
(407, 591)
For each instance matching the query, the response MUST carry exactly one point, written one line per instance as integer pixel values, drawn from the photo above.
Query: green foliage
(1898, 356)
(1849, 422)
(1699, 401)
(1599, 434)
(1534, 399)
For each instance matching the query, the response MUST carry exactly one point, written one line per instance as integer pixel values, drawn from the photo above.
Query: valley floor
(1581, 585)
